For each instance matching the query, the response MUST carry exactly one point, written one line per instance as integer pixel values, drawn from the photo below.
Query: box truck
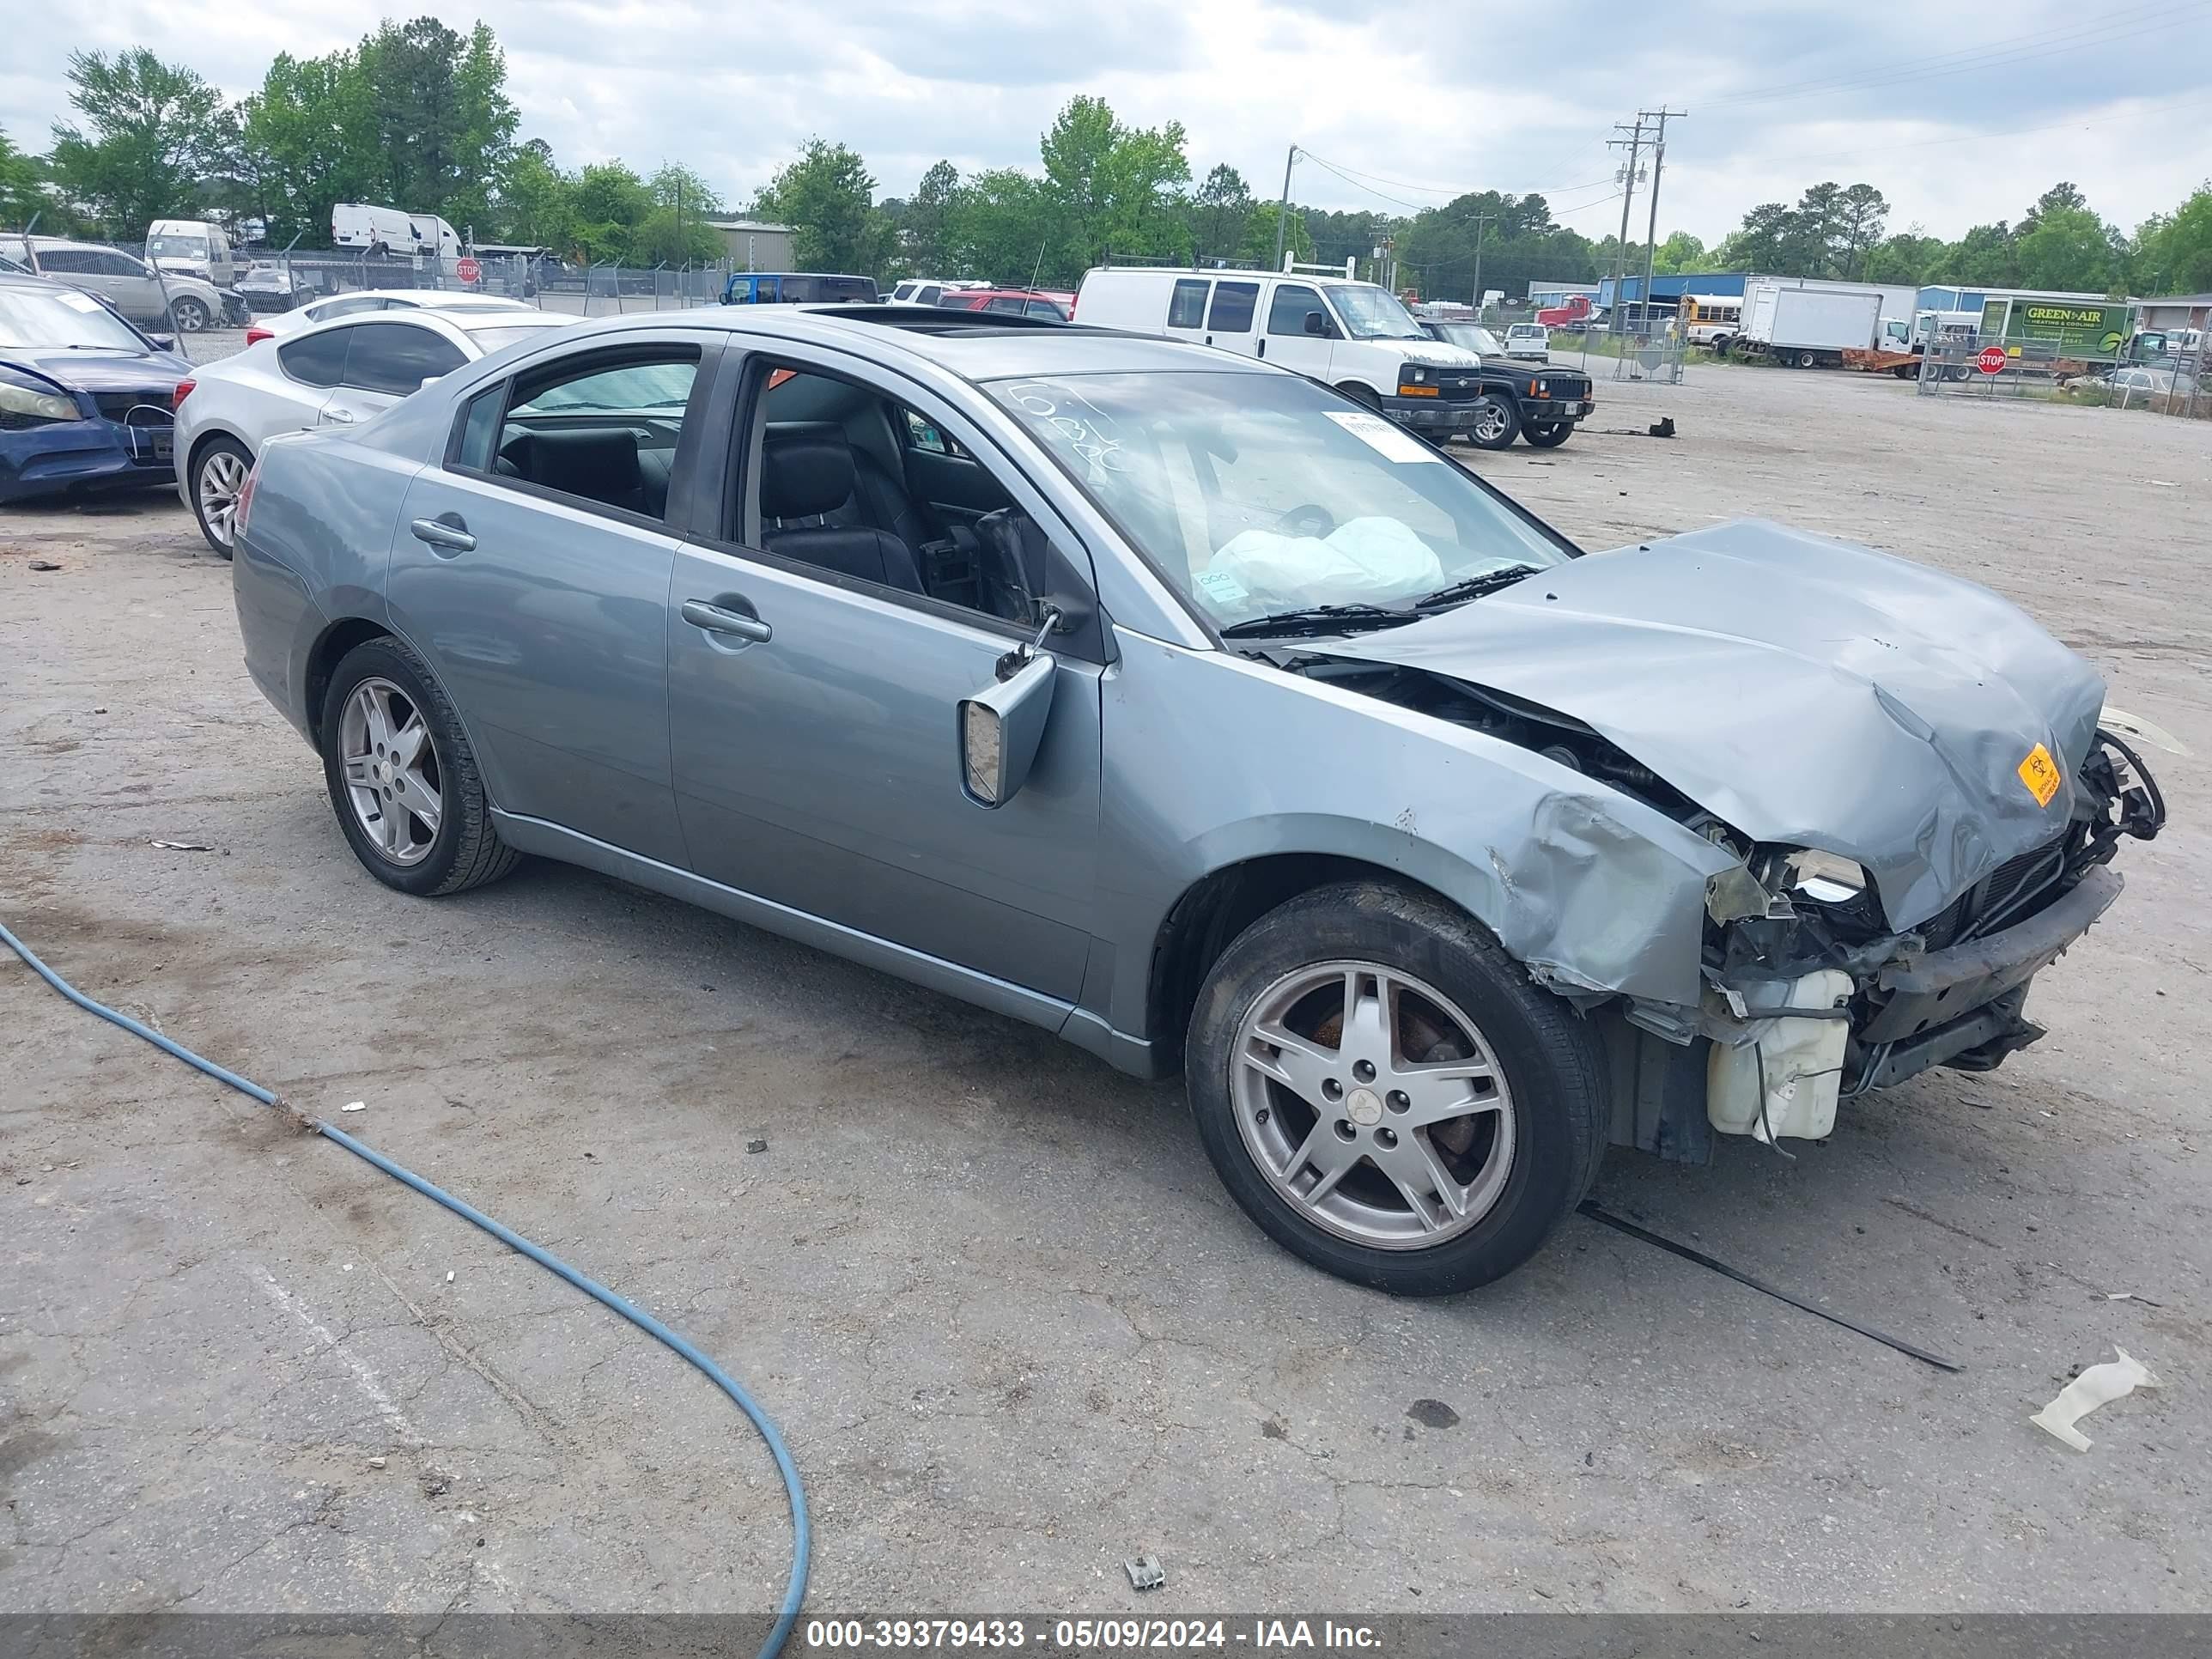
(1807, 327)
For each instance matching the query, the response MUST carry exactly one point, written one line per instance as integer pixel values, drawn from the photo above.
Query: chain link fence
(1993, 370)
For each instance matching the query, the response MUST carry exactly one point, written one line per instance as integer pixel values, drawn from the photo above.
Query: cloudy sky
(1960, 113)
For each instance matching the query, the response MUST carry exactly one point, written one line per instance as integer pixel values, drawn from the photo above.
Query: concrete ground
(1012, 1327)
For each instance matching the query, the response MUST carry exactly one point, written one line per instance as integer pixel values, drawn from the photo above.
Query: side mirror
(1000, 728)
(431, 379)
(1316, 323)
(163, 341)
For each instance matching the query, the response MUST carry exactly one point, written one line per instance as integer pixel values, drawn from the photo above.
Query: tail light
(256, 334)
(245, 502)
(183, 390)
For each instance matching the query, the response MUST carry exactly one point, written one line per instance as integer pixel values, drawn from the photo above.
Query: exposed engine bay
(1812, 995)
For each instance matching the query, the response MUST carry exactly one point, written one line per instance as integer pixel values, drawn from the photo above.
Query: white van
(192, 247)
(1354, 336)
(388, 230)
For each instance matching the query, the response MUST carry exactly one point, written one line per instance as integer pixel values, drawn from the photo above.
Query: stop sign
(1992, 359)
(468, 269)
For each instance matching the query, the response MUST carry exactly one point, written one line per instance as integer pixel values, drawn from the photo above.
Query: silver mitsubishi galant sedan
(1173, 703)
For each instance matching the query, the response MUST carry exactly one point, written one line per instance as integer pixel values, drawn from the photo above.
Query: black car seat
(812, 510)
(600, 464)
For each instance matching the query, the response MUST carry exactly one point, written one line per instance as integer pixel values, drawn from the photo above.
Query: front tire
(188, 315)
(1495, 424)
(1550, 436)
(402, 777)
(1389, 1096)
(220, 467)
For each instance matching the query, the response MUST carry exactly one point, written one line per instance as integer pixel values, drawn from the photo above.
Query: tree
(307, 141)
(2068, 248)
(1680, 252)
(1000, 224)
(828, 198)
(609, 201)
(1112, 187)
(1985, 257)
(1221, 212)
(20, 195)
(1911, 259)
(534, 203)
(2174, 252)
(157, 130)
(442, 120)
(925, 233)
(1865, 210)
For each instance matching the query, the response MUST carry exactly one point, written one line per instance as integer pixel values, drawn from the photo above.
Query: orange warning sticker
(2041, 774)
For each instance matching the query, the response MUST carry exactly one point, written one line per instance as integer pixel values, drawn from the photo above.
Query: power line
(1442, 189)
(1991, 55)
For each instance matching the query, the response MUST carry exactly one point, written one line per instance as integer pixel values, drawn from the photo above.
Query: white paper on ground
(2099, 1385)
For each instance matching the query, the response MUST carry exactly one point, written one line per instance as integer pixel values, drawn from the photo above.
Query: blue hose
(801, 1536)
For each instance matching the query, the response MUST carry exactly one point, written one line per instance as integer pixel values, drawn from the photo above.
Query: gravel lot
(1014, 1331)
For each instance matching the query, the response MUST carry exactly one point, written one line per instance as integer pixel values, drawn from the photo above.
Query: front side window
(1288, 311)
(398, 357)
(317, 359)
(1004, 307)
(1187, 305)
(108, 263)
(1374, 314)
(1257, 494)
(1233, 306)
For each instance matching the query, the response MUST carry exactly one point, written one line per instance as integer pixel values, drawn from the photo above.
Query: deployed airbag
(1362, 561)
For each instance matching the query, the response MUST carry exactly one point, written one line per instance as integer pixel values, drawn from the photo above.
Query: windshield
(1471, 335)
(1258, 493)
(177, 248)
(1370, 312)
(30, 318)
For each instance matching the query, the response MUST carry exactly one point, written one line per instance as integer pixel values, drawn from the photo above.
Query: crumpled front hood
(1807, 692)
(102, 370)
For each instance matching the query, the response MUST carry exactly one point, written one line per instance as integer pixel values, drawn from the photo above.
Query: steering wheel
(1297, 520)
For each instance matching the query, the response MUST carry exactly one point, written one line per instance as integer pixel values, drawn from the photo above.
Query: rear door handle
(446, 531)
(715, 619)
(338, 417)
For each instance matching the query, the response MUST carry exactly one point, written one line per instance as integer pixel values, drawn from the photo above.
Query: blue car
(87, 401)
(805, 288)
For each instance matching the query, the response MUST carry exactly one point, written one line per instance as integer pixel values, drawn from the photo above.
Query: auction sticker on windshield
(2041, 774)
(1381, 437)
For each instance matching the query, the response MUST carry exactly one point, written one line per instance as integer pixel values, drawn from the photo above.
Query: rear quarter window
(1233, 306)
(317, 360)
(1187, 305)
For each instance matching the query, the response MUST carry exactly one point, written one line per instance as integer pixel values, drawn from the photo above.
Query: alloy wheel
(221, 476)
(1490, 424)
(1372, 1105)
(390, 764)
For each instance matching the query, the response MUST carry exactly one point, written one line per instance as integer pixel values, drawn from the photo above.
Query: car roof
(424, 299)
(961, 343)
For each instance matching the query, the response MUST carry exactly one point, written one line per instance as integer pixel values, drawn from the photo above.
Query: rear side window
(317, 360)
(1046, 308)
(398, 357)
(1233, 304)
(1005, 307)
(1187, 305)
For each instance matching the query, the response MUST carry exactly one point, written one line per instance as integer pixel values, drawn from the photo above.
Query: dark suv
(1527, 400)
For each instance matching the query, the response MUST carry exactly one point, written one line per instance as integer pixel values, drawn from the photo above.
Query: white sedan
(277, 324)
(333, 373)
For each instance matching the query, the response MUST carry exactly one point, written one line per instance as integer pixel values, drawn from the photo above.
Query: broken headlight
(1823, 878)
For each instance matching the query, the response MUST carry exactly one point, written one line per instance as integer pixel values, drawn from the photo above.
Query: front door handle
(1263, 349)
(715, 619)
(338, 417)
(446, 531)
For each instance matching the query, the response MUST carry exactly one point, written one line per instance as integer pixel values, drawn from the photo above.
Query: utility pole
(1481, 224)
(1651, 233)
(1635, 143)
(1282, 210)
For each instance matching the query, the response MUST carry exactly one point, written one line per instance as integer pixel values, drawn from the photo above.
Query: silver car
(344, 370)
(151, 299)
(1174, 704)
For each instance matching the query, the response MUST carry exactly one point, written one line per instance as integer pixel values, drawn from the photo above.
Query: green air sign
(2070, 329)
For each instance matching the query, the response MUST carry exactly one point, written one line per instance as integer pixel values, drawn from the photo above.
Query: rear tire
(383, 780)
(1434, 989)
(219, 469)
(1808, 360)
